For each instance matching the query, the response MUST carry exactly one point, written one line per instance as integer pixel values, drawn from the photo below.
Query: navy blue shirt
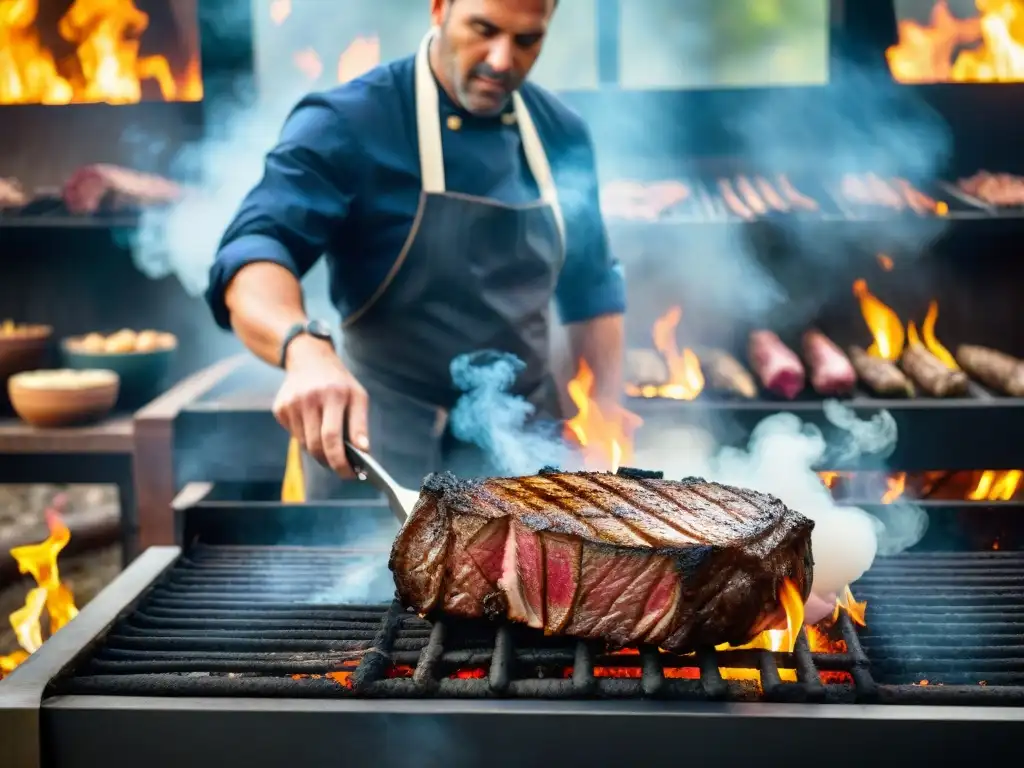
(344, 181)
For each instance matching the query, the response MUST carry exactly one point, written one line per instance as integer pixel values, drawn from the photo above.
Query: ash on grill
(238, 621)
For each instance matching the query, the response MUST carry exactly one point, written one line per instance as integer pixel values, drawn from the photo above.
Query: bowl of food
(63, 398)
(141, 359)
(22, 348)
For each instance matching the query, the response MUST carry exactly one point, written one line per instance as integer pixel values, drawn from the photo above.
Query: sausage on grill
(831, 371)
(931, 375)
(880, 376)
(993, 368)
(726, 374)
(113, 188)
(776, 365)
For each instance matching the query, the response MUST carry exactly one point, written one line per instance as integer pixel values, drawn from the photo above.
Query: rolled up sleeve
(591, 283)
(291, 214)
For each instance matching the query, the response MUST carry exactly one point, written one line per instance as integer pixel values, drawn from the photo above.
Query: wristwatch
(318, 329)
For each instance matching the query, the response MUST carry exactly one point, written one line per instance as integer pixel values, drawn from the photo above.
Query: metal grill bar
(241, 622)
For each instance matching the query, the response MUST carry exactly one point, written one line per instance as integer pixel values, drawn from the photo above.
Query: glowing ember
(606, 439)
(50, 594)
(106, 65)
(986, 48)
(885, 325)
(885, 262)
(624, 663)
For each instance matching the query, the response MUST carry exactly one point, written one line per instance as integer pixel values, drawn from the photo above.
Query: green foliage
(744, 26)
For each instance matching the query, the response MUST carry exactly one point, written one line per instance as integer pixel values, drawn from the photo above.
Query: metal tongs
(400, 499)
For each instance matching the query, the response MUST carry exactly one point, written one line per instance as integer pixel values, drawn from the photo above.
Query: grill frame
(68, 731)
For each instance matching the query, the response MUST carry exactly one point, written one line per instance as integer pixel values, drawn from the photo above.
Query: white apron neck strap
(537, 159)
(428, 127)
(428, 120)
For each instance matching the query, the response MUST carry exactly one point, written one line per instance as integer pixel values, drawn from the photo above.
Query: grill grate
(237, 621)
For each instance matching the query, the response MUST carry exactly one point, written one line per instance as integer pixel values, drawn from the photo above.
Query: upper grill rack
(249, 622)
(738, 198)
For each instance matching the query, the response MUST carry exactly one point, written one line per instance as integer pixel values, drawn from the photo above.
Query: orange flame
(606, 438)
(293, 487)
(887, 328)
(828, 478)
(931, 342)
(896, 485)
(884, 324)
(685, 378)
(995, 485)
(988, 47)
(857, 610)
(40, 560)
(779, 639)
(107, 66)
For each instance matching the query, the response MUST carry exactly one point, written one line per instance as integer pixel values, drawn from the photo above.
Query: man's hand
(318, 396)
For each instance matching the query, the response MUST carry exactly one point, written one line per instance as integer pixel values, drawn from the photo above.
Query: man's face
(486, 48)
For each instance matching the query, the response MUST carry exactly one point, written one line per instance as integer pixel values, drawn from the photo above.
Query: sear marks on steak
(627, 558)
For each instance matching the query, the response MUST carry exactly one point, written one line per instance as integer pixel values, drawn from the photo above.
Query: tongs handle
(368, 468)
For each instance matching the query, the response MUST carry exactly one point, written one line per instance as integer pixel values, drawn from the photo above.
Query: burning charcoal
(929, 373)
(645, 367)
(776, 365)
(726, 374)
(750, 196)
(11, 194)
(732, 200)
(993, 368)
(107, 186)
(831, 371)
(880, 376)
(702, 563)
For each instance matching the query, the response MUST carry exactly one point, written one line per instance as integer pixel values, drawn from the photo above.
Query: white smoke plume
(488, 416)
(780, 459)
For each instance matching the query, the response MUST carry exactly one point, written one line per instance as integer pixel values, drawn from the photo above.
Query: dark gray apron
(474, 274)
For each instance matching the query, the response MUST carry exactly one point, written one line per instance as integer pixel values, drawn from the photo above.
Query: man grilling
(453, 200)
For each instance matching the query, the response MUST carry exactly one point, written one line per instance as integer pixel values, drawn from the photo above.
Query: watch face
(319, 328)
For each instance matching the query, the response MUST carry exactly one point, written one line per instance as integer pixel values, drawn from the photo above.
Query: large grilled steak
(628, 558)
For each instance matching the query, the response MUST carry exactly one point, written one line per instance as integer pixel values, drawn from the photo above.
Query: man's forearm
(265, 300)
(600, 342)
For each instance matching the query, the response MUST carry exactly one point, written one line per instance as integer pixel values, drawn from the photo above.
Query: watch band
(314, 328)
